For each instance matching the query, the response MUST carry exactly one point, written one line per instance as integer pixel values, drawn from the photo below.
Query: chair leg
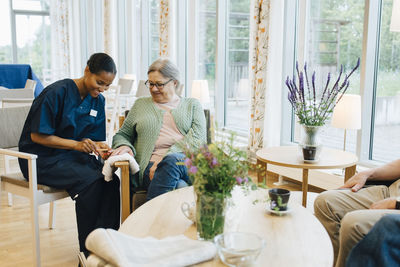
(82, 259)
(1, 189)
(10, 199)
(52, 215)
(35, 231)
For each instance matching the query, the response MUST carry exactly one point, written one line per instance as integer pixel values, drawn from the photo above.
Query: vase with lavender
(314, 106)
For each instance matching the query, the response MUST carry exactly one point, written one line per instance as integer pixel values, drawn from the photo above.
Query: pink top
(169, 133)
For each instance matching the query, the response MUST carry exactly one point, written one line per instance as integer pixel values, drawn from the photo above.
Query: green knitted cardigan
(142, 127)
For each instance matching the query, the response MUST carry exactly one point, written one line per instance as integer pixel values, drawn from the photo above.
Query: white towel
(121, 250)
(108, 168)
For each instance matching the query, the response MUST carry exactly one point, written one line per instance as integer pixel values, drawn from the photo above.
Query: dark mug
(279, 198)
(310, 152)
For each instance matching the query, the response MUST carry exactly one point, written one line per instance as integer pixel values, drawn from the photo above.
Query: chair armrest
(125, 188)
(119, 164)
(31, 168)
(17, 154)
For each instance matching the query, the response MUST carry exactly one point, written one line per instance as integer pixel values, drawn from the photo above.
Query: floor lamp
(347, 114)
(201, 92)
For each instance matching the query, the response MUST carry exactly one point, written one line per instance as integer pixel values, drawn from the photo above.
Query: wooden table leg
(304, 186)
(261, 171)
(349, 172)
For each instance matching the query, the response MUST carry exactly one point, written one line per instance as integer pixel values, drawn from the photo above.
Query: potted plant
(214, 170)
(314, 106)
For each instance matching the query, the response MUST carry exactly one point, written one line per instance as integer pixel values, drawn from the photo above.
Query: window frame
(13, 24)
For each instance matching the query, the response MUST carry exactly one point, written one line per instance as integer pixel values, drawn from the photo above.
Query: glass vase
(310, 143)
(210, 215)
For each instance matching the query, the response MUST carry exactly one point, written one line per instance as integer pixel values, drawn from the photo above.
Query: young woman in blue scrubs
(65, 127)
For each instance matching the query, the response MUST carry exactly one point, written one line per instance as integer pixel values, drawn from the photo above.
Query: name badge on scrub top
(93, 113)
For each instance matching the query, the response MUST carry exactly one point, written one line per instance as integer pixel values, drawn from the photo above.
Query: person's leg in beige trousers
(346, 217)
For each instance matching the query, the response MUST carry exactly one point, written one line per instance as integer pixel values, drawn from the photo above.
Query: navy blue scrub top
(59, 110)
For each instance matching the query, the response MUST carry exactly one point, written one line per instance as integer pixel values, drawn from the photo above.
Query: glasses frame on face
(159, 86)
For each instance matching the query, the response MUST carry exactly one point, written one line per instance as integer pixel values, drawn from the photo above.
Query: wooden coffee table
(296, 239)
(289, 156)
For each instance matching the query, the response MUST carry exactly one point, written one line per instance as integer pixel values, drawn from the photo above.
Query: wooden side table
(289, 156)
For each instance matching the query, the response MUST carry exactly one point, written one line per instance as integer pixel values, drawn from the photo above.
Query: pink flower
(239, 180)
(193, 169)
(188, 162)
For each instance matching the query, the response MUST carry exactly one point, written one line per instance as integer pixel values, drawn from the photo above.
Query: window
(330, 33)
(333, 37)
(5, 37)
(223, 26)
(237, 74)
(30, 34)
(207, 45)
(33, 42)
(386, 123)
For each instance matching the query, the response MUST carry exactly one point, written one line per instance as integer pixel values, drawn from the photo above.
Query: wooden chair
(139, 197)
(113, 96)
(142, 89)
(12, 120)
(18, 95)
(112, 109)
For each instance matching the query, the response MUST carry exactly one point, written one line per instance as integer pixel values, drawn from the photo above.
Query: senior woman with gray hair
(153, 127)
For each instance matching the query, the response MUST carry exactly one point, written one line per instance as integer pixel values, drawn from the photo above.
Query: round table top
(290, 156)
(296, 239)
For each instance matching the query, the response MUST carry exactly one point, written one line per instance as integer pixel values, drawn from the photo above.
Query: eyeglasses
(160, 86)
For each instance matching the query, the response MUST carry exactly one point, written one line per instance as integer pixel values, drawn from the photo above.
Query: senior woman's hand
(122, 150)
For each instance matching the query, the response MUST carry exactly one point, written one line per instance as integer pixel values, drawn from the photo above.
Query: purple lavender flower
(193, 170)
(313, 84)
(239, 180)
(214, 162)
(306, 75)
(308, 109)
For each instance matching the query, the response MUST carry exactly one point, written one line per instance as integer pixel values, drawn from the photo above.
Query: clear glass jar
(310, 143)
(210, 215)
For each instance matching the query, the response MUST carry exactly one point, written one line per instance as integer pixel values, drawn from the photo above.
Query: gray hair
(167, 69)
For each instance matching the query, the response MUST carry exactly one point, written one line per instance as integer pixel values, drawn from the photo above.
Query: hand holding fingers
(103, 150)
(86, 146)
(82, 147)
(103, 146)
(122, 150)
(92, 145)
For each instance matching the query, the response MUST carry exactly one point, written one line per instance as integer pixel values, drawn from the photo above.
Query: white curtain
(165, 28)
(60, 39)
(108, 11)
(273, 93)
